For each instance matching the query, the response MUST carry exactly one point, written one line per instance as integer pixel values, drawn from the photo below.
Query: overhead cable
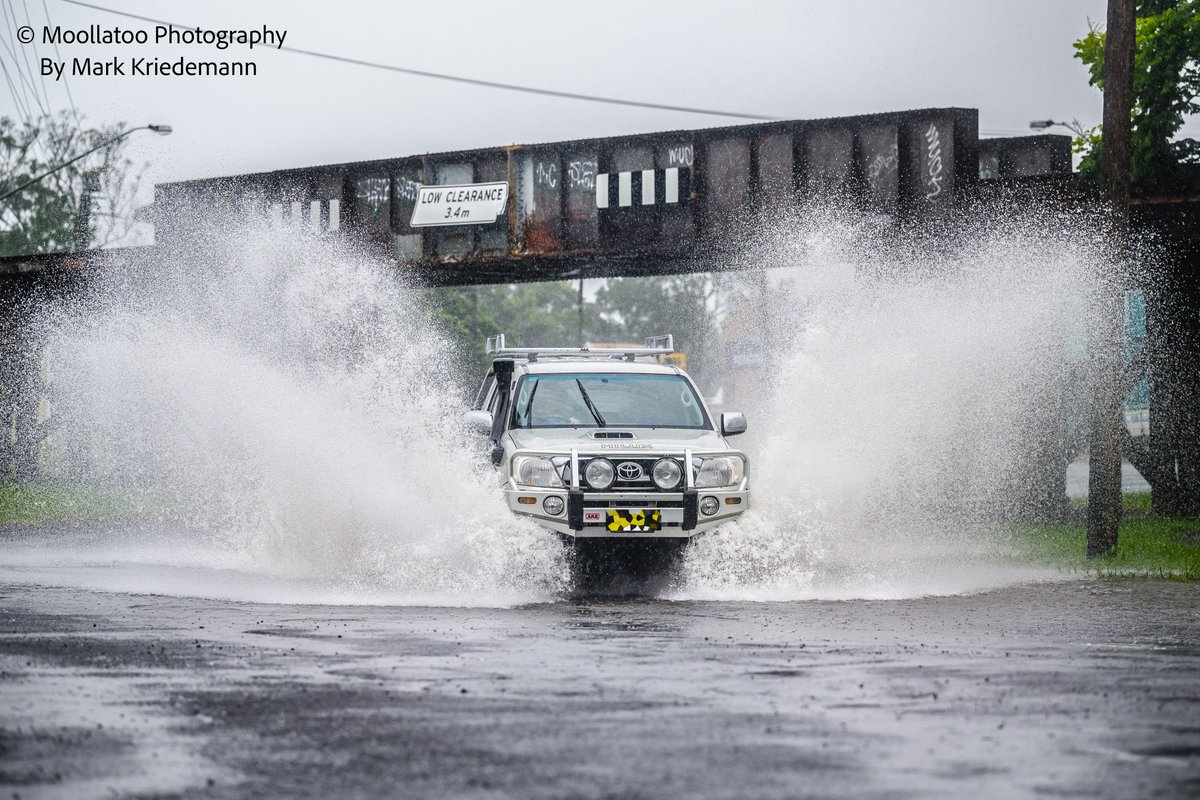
(512, 87)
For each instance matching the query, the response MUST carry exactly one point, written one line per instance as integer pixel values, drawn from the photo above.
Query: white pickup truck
(596, 443)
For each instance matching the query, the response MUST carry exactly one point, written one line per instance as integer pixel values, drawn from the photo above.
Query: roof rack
(654, 346)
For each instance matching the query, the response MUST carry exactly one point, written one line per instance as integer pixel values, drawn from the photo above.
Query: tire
(625, 567)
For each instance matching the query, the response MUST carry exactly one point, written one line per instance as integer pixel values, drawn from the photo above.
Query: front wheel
(625, 567)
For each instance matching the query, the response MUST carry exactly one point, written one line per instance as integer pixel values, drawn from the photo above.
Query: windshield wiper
(599, 419)
(529, 406)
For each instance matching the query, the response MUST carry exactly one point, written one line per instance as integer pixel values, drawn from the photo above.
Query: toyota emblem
(629, 471)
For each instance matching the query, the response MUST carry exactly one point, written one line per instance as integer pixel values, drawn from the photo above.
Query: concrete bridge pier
(26, 417)
(20, 394)
(1173, 336)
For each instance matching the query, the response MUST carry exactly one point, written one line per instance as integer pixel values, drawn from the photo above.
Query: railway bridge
(658, 203)
(642, 204)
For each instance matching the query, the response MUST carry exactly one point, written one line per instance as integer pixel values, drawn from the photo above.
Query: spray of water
(283, 397)
(288, 404)
(915, 401)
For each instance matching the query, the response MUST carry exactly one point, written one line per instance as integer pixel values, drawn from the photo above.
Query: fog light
(666, 473)
(553, 505)
(709, 506)
(599, 473)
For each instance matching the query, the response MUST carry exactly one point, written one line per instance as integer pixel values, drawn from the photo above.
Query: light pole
(1073, 126)
(162, 130)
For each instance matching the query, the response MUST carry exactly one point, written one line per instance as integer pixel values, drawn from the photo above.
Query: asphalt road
(1078, 689)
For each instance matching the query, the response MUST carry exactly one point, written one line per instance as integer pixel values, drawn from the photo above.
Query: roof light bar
(655, 346)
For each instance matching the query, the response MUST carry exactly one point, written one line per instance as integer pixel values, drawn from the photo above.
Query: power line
(37, 57)
(1006, 132)
(512, 87)
(25, 110)
(22, 112)
(24, 55)
(11, 25)
(66, 83)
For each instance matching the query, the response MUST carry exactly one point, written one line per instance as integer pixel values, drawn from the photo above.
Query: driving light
(718, 471)
(535, 471)
(553, 505)
(709, 506)
(666, 473)
(599, 473)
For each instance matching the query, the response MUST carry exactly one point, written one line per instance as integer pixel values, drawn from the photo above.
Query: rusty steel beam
(40, 266)
(674, 199)
(671, 195)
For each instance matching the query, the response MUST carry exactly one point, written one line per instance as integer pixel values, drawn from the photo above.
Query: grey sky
(1012, 60)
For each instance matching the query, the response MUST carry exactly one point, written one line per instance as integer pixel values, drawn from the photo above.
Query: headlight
(719, 471)
(599, 473)
(666, 473)
(535, 471)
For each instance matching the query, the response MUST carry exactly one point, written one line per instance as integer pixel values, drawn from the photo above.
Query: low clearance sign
(459, 204)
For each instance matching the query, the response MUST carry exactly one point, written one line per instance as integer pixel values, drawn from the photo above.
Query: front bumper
(672, 507)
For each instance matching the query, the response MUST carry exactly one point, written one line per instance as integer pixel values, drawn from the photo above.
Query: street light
(1074, 126)
(161, 130)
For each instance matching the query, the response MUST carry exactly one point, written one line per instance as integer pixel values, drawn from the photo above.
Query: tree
(1166, 85)
(624, 310)
(526, 313)
(1104, 470)
(44, 217)
(1165, 88)
(630, 309)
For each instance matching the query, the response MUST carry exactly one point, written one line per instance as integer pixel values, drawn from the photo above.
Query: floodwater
(327, 596)
(1074, 688)
(285, 406)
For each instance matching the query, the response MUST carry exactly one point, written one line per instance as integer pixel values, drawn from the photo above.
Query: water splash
(289, 402)
(915, 397)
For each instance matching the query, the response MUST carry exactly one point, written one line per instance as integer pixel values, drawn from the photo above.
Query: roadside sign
(459, 204)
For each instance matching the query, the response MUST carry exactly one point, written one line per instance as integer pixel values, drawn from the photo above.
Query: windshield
(607, 399)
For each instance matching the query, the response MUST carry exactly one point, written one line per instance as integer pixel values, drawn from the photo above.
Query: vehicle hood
(646, 440)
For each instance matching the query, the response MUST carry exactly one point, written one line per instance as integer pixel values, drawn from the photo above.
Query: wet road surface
(1072, 689)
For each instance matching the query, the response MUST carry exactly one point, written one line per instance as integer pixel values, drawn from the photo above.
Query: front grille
(639, 502)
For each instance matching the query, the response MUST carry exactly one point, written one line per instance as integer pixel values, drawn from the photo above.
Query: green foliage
(1087, 146)
(623, 310)
(1150, 547)
(631, 309)
(42, 217)
(1138, 502)
(1166, 84)
(28, 504)
(1135, 504)
(526, 313)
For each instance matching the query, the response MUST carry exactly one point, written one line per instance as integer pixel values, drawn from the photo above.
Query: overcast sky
(795, 60)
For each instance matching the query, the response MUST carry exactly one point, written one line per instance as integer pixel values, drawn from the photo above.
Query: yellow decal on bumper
(636, 519)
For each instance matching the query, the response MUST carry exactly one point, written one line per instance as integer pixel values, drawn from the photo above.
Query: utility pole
(1108, 324)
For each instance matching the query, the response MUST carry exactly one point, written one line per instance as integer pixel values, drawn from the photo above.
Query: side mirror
(733, 423)
(479, 421)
